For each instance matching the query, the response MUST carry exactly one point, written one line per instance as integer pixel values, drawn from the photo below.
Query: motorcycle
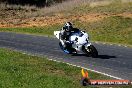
(80, 44)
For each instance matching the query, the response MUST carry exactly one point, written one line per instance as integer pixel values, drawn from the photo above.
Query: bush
(38, 3)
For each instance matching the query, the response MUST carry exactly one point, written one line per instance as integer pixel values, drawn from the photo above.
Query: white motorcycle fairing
(79, 40)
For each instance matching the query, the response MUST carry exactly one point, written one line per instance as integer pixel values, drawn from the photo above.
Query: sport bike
(78, 44)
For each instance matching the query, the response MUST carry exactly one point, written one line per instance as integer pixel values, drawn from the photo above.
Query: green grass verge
(19, 70)
(47, 30)
(113, 8)
(116, 29)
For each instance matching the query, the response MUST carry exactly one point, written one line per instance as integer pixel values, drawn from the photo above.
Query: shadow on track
(105, 56)
(99, 56)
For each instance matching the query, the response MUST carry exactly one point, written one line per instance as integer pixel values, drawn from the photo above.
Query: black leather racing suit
(65, 35)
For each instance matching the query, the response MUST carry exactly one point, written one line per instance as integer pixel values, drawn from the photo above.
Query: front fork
(85, 48)
(87, 45)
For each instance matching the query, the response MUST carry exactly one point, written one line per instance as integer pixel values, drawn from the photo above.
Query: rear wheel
(92, 51)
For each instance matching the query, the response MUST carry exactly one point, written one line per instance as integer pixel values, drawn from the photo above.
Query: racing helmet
(68, 26)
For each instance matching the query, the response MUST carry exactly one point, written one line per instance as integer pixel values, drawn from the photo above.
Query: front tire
(92, 51)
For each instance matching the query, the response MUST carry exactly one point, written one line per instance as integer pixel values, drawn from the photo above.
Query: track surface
(113, 60)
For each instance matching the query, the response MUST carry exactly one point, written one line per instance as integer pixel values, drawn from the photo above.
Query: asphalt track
(113, 60)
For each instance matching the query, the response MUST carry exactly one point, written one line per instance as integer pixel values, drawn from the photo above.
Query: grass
(19, 11)
(114, 7)
(116, 29)
(19, 70)
(69, 7)
(47, 30)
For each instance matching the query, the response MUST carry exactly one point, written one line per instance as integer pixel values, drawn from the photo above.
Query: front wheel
(92, 51)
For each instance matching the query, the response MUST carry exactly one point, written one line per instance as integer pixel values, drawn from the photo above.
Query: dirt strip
(56, 19)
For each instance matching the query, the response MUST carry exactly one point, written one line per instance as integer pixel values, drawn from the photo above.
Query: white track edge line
(96, 71)
(90, 70)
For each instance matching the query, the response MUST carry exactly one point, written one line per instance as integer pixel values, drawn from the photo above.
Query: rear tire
(92, 51)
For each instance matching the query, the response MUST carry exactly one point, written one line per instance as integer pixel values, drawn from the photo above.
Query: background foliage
(39, 3)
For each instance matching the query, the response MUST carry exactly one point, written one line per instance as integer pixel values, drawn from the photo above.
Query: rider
(66, 32)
